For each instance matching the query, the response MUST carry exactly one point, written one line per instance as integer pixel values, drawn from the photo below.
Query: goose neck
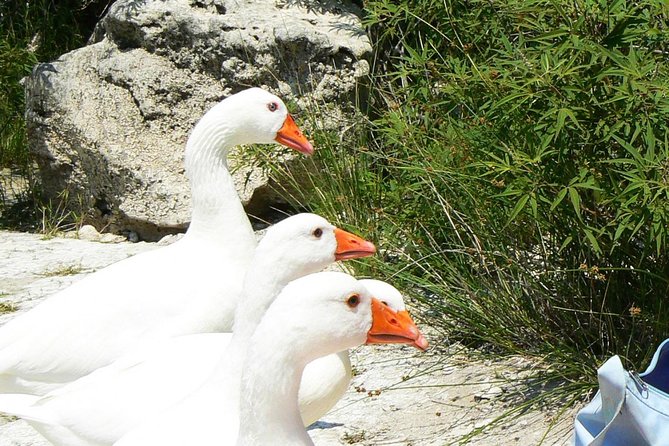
(269, 411)
(217, 212)
(268, 273)
(264, 279)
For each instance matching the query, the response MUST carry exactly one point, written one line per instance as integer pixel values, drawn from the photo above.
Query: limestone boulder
(108, 122)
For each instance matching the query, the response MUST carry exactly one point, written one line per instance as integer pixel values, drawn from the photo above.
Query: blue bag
(630, 409)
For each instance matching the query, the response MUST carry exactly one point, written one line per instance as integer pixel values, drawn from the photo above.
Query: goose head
(390, 296)
(332, 311)
(306, 243)
(254, 116)
(294, 247)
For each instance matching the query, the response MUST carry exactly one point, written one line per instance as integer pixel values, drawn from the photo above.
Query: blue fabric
(657, 373)
(628, 410)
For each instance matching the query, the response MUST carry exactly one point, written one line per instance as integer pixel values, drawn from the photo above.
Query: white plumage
(188, 287)
(101, 407)
(313, 316)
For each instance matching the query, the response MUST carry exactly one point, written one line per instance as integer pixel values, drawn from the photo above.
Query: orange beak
(291, 136)
(350, 246)
(393, 327)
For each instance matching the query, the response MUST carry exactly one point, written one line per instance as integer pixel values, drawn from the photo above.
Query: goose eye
(353, 300)
(385, 303)
(318, 232)
(272, 106)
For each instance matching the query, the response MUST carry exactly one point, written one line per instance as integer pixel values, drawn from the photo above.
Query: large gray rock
(108, 122)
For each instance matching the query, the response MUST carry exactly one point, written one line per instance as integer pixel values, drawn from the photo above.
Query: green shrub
(521, 153)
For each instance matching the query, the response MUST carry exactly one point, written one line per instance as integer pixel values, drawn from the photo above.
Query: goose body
(99, 408)
(191, 286)
(314, 316)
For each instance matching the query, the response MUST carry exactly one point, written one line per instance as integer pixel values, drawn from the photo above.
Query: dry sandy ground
(398, 397)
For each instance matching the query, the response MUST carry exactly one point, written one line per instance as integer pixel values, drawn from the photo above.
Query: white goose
(313, 316)
(190, 286)
(326, 379)
(99, 408)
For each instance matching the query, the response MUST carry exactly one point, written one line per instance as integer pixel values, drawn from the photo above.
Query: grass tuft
(64, 270)
(31, 32)
(7, 307)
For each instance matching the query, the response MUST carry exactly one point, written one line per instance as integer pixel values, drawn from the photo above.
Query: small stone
(112, 238)
(482, 423)
(169, 239)
(495, 391)
(133, 237)
(88, 232)
(489, 394)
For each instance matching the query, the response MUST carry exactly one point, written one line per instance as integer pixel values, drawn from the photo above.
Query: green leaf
(631, 149)
(622, 227)
(533, 205)
(593, 241)
(650, 142)
(565, 243)
(575, 200)
(520, 205)
(559, 198)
